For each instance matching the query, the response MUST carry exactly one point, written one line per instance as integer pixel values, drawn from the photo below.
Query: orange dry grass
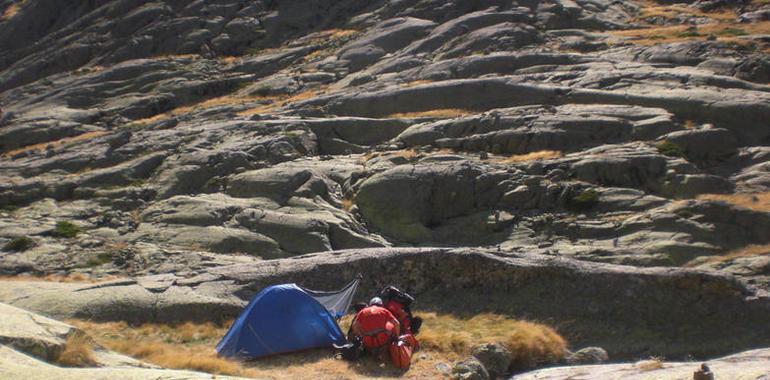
(724, 31)
(530, 343)
(229, 59)
(330, 35)
(66, 140)
(406, 153)
(78, 351)
(281, 102)
(444, 338)
(73, 277)
(539, 155)
(747, 251)
(438, 113)
(347, 204)
(208, 103)
(12, 10)
(650, 364)
(653, 9)
(416, 83)
(339, 33)
(752, 201)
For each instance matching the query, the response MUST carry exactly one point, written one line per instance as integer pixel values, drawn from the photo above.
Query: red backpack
(401, 351)
(376, 326)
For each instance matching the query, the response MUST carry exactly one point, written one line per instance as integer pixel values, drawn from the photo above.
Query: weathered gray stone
(35, 335)
(495, 358)
(470, 369)
(752, 363)
(587, 355)
(14, 365)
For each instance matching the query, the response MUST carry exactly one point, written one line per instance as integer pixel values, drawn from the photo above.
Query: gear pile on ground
(199, 146)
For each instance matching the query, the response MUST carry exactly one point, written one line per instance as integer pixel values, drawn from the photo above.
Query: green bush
(732, 32)
(670, 149)
(19, 244)
(688, 33)
(100, 259)
(586, 200)
(65, 229)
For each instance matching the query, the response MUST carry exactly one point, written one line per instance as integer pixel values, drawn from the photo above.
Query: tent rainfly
(287, 318)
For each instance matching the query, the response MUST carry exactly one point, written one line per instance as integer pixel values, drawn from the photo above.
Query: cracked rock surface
(578, 161)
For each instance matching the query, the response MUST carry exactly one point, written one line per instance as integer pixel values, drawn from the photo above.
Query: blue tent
(287, 318)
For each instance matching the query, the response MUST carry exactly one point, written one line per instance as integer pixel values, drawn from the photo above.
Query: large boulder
(704, 144)
(406, 202)
(386, 37)
(16, 365)
(751, 364)
(33, 334)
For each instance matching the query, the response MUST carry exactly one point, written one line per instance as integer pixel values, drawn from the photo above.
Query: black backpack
(391, 292)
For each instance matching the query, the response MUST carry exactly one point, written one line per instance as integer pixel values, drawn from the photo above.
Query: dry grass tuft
(368, 156)
(347, 204)
(722, 31)
(409, 154)
(60, 142)
(752, 201)
(78, 351)
(416, 83)
(72, 277)
(281, 101)
(653, 9)
(330, 35)
(437, 113)
(229, 59)
(12, 10)
(208, 103)
(530, 343)
(533, 156)
(651, 364)
(747, 251)
(444, 338)
(180, 346)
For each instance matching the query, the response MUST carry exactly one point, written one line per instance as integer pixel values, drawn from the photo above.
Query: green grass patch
(65, 229)
(670, 149)
(19, 244)
(688, 33)
(734, 32)
(584, 201)
(100, 259)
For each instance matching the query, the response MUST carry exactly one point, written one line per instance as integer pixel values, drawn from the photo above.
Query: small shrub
(670, 149)
(100, 259)
(688, 33)
(263, 90)
(78, 352)
(734, 32)
(65, 229)
(586, 200)
(19, 244)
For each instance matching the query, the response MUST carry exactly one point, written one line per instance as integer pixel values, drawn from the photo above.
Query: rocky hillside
(543, 153)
